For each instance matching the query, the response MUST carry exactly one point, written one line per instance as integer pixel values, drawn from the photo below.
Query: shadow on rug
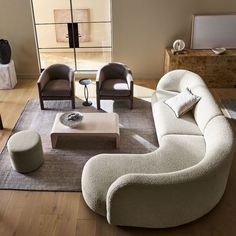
(230, 106)
(63, 166)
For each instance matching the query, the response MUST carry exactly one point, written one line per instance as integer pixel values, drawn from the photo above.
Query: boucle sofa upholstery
(179, 182)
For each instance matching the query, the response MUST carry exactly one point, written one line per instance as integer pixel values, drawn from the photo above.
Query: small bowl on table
(218, 51)
(71, 119)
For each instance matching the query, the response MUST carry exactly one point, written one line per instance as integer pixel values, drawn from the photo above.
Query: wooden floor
(28, 213)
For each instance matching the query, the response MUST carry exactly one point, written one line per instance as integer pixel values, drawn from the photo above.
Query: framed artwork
(212, 31)
(64, 16)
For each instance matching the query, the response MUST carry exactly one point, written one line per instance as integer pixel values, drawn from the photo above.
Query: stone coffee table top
(93, 124)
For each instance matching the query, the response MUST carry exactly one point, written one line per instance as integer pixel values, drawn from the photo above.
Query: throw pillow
(183, 102)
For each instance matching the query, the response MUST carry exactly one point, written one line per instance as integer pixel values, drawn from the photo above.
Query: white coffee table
(93, 124)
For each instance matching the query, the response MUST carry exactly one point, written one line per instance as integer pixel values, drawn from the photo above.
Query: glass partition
(73, 32)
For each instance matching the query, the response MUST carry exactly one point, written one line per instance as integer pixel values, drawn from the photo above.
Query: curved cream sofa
(180, 181)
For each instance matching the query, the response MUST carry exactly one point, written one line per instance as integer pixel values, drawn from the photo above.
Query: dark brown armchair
(114, 81)
(56, 82)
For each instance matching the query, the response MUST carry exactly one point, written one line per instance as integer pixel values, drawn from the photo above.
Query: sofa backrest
(220, 149)
(178, 80)
(220, 141)
(206, 109)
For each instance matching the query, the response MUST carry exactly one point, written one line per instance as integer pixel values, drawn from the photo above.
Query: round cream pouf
(25, 149)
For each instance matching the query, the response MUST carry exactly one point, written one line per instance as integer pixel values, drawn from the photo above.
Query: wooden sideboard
(218, 71)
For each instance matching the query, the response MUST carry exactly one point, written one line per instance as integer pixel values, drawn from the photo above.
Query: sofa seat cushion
(166, 121)
(176, 153)
(115, 87)
(59, 87)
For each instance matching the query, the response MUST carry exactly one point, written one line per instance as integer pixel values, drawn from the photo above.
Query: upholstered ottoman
(25, 149)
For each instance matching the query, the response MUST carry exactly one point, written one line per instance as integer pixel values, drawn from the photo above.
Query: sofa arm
(71, 78)
(159, 200)
(71, 75)
(130, 81)
(100, 77)
(43, 79)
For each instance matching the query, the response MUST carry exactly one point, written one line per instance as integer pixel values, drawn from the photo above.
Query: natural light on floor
(139, 91)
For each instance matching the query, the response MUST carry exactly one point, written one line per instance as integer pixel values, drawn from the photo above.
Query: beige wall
(141, 31)
(16, 26)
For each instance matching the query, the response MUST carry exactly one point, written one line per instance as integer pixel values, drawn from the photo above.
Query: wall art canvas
(64, 16)
(213, 31)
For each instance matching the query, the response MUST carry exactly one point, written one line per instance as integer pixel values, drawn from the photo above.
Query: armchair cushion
(115, 87)
(59, 87)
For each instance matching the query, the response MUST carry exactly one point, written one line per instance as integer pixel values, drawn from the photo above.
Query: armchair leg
(73, 103)
(131, 103)
(41, 103)
(98, 103)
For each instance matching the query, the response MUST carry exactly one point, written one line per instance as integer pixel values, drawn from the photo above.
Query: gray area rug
(63, 166)
(230, 106)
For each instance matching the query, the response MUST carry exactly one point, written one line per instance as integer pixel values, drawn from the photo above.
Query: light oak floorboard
(26, 213)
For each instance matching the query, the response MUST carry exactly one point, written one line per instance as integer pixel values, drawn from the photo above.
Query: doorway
(73, 32)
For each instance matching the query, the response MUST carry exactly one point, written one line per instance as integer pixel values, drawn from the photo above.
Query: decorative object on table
(218, 51)
(5, 51)
(8, 78)
(178, 46)
(210, 31)
(1, 125)
(71, 119)
(56, 82)
(86, 82)
(114, 81)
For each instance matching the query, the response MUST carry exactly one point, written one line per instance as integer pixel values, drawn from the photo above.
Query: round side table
(85, 82)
